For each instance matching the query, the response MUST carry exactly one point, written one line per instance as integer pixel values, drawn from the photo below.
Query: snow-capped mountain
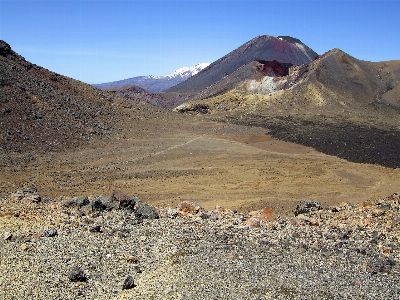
(187, 72)
(157, 83)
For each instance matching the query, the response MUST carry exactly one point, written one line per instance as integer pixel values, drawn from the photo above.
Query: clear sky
(106, 40)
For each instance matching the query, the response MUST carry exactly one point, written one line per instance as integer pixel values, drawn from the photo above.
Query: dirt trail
(211, 163)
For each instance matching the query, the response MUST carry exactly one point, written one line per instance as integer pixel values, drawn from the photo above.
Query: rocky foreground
(120, 248)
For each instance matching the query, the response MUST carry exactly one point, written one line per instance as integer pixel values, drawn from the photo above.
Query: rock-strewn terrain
(120, 248)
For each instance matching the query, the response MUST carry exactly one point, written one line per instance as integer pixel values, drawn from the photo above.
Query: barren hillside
(45, 111)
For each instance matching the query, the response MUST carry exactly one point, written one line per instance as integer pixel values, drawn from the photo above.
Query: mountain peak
(187, 72)
(283, 49)
(289, 39)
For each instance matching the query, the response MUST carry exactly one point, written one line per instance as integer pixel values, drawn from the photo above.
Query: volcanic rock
(306, 206)
(128, 283)
(124, 201)
(77, 275)
(50, 233)
(186, 207)
(145, 211)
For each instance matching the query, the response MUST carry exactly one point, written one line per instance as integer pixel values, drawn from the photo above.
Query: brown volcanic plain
(165, 157)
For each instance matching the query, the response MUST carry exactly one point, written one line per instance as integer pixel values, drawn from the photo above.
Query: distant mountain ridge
(156, 83)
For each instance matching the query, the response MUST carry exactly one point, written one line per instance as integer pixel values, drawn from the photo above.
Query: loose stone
(128, 283)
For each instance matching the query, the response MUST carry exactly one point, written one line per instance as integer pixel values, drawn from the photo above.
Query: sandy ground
(211, 163)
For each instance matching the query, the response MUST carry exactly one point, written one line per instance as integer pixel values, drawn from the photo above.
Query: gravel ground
(75, 249)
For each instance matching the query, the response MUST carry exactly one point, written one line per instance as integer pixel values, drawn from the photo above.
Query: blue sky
(103, 40)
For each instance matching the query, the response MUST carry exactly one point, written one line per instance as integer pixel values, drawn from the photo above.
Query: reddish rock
(219, 208)
(37, 235)
(365, 204)
(264, 215)
(131, 259)
(186, 207)
(267, 214)
(123, 200)
(119, 196)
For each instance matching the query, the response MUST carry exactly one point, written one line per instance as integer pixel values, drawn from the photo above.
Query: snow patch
(187, 72)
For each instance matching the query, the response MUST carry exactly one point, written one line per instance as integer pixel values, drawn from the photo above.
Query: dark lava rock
(128, 283)
(77, 275)
(306, 206)
(106, 201)
(78, 201)
(124, 201)
(145, 211)
(353, 142)
(96, 228)
(82, 201)
(98, 205)
(35, 198)
(50, 233)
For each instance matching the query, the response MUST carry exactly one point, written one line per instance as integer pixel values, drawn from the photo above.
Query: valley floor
(211, 163)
